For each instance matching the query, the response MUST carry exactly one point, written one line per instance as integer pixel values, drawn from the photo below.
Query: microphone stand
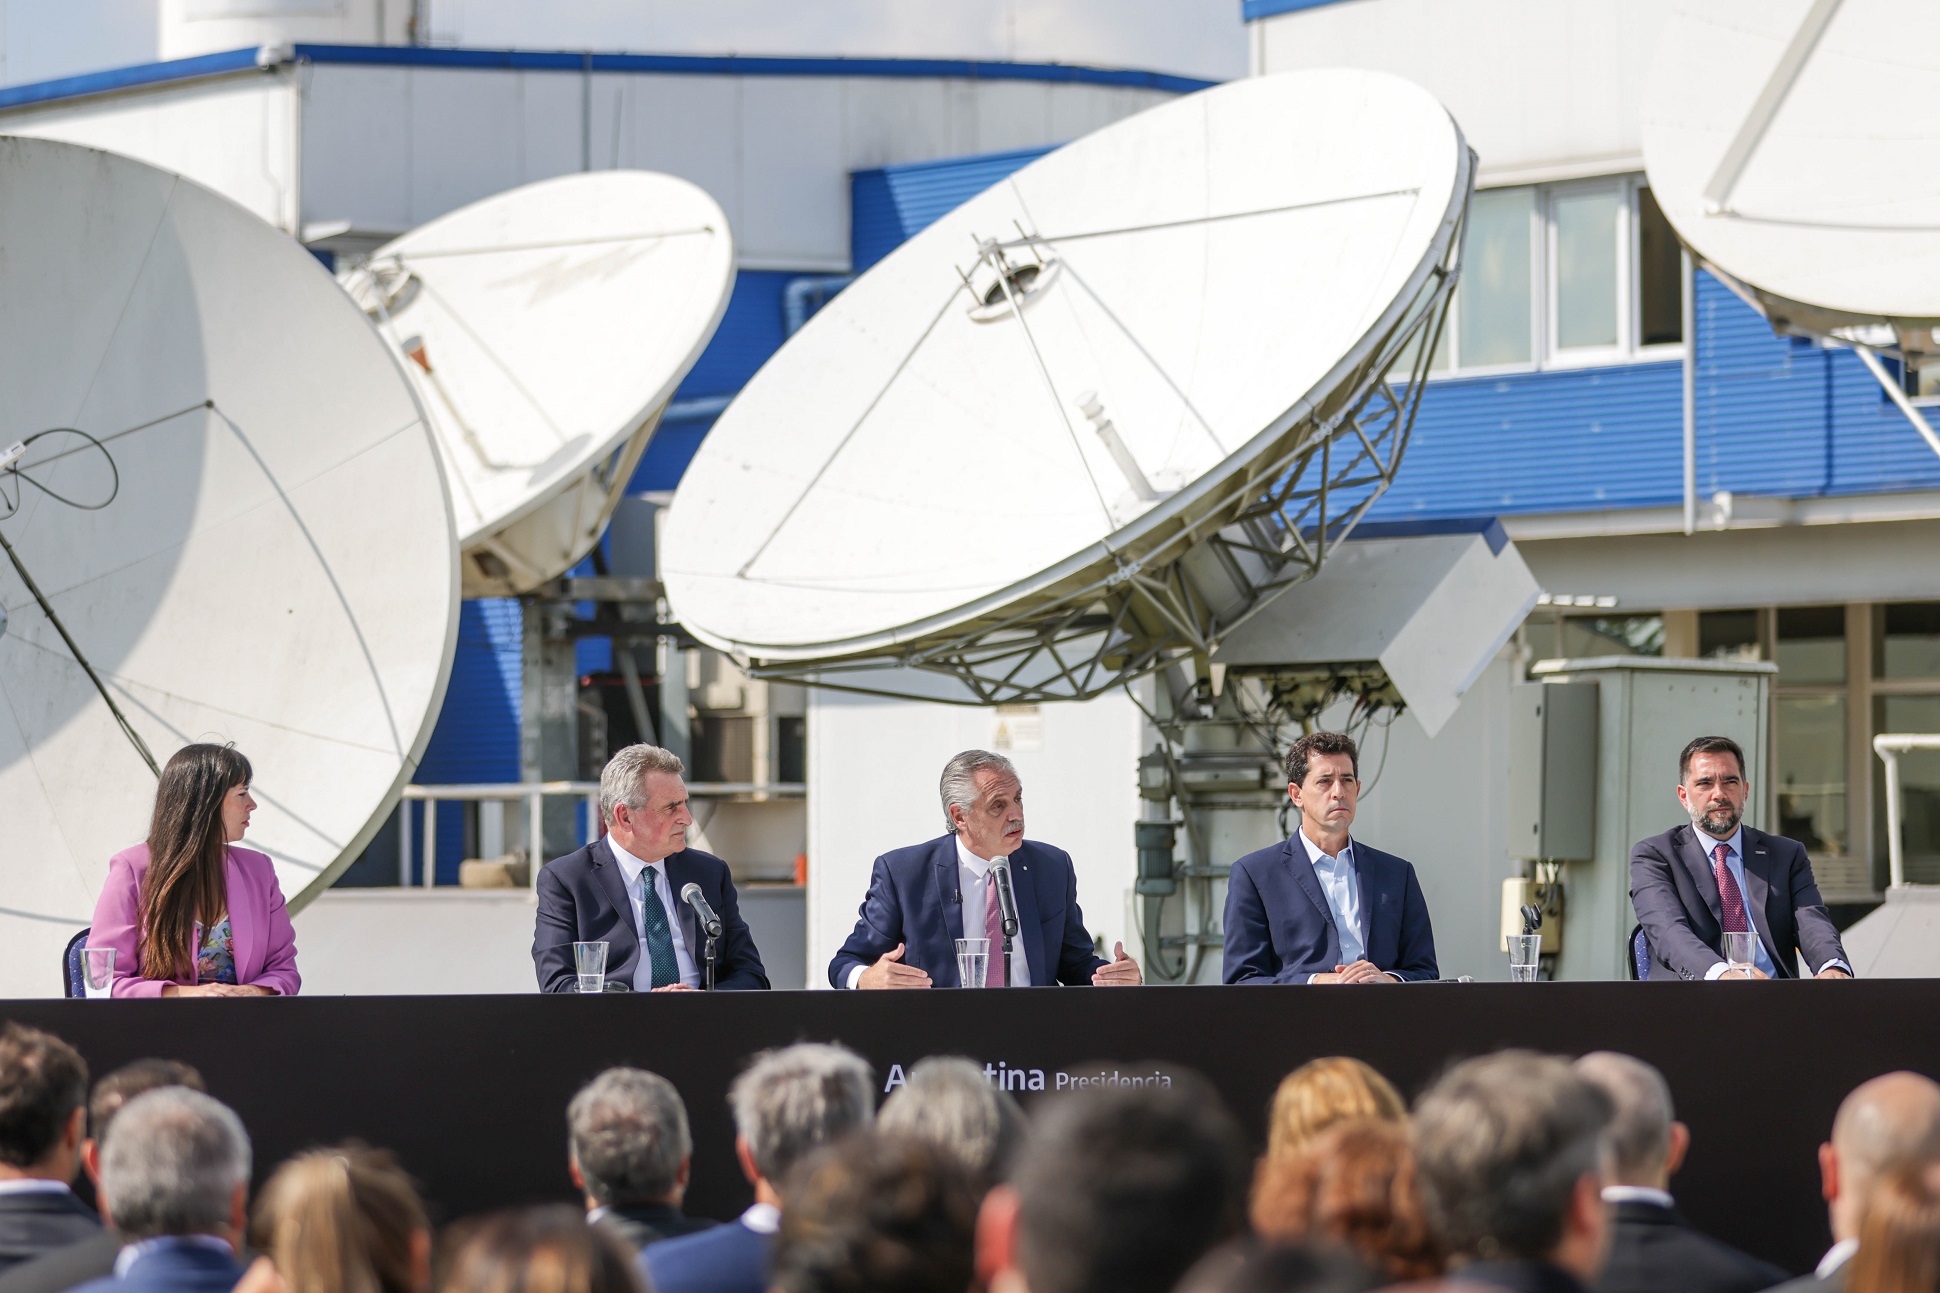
(1009, 913)
(707, 981)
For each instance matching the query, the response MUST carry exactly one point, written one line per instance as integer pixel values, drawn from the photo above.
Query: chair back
(72, 982)
(1639, 954)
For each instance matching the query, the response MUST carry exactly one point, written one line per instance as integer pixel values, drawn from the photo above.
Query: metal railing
(1889, 747)
(534, 794)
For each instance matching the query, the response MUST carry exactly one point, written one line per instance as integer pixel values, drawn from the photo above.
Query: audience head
(202, 803)
(1117, 1190)
(1899, 1233)
(1890, 1120)
(1354, 1185)
(1647, 1143)
(344, 1220)
(947, 1101)
(1248, 1265)
(117, 1089)
(1510, 1150)
(177, 1164)
(792, 1101)
(628, 1139)
(538, 1250)
(43, 1093)
(1323, 1092)
(877, 1213)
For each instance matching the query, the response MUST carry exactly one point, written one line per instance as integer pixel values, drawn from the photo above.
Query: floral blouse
(215, 960)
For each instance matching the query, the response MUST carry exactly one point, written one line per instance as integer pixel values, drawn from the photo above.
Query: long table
(471, 1091)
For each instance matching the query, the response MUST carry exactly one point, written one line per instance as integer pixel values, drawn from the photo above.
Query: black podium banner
(471, 1091)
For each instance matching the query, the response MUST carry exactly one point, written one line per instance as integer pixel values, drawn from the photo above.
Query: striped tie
(993, 929)
(1731, 902)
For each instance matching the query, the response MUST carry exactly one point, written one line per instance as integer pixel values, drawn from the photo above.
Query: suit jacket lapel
(1758, 891)
(612, 882)
(949, 897)
(1030, 928)
(1368, 873)
(248, 938)
(1698, 863)
(680, 873)
(1303, 875)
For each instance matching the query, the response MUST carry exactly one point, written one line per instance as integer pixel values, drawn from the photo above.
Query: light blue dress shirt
(1341, 883)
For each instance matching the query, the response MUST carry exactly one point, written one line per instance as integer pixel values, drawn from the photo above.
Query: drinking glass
(973, 961)
(589, 959)
(98, 971)
(1523, 951)
(1741, 950)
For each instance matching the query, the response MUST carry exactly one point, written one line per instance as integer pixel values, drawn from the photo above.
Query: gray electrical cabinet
(1552, 771)
(1647, 710)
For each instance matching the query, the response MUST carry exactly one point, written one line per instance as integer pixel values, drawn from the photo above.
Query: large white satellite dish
(1097, 415)
(545, 330)
(269, 558)
(1789, 143)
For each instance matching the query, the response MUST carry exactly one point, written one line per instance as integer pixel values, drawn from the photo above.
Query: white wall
(42, 40)
(388, 148)
(190, 27)
(1539, 87)
(234, 134)
(873, 766)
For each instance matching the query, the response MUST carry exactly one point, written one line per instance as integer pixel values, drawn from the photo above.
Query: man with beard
(1693, 884)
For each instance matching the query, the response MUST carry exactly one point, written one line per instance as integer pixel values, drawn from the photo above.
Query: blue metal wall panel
(889, 205)
(477, 735)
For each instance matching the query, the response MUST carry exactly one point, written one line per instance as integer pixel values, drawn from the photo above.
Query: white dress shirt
(1638, 1194)
(632, 867)
(33, 1185)
(1835, 1257)
(132, 1253)
(973, 885)
(1734, 860)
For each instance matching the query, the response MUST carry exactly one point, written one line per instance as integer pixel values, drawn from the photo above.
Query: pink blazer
(259, 923)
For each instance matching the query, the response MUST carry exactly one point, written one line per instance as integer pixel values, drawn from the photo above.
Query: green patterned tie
(660, 941)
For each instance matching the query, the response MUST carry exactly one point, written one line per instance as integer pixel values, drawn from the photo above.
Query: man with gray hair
(175, 1186)
(786, 1104)
(628, 890)
(947, 1101)
(1652, 1247)
(925, 897)
(1512, 1160)
(630, 1153)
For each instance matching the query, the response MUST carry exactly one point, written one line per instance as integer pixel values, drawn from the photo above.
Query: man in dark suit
(175, 1185)
(1321, 908)
(1693, 884)
(630, 1152)
(93, 1258)
(43, 1118)
(1652, 1247)
(624, 890)
(788, 1103)
(923, 898)
(1890, 1121)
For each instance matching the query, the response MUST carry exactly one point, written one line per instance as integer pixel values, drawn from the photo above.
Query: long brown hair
(185, 881)
(343, 1220)
(1353, 1184)
(1899, 1234)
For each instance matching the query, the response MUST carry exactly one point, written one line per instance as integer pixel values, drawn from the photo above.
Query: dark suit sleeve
(1078, 956)
(1818, 936)
(878, 927)
(739, 967)
(1249, 938)
(553, 935)
(1674, 945)
(1416, 960)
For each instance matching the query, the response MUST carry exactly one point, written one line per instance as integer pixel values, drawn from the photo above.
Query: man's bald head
(1890, 1120)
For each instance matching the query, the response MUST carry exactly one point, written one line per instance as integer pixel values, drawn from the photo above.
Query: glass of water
(589, 960)
(973, 961)
(98, 971)
(1523, 951)
(1741, 950)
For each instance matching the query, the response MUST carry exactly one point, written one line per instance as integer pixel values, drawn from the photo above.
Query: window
(1561, 276)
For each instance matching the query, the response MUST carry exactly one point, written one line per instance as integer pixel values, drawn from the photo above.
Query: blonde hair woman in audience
(539, 1250)
(1899, 1234)
(1353, 1185)
(343, 1220)
(1324, 1092)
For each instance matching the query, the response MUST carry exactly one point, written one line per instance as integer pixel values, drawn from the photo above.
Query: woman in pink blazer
(188, 913)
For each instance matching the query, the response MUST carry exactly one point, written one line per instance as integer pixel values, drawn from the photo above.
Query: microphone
(690, 894)
(1006, 896)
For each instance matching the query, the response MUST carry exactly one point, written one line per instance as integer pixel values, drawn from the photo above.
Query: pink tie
(1730, 900)
(993, 929)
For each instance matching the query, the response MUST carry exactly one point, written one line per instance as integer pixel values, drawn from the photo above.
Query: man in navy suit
(1693, 883)
(1322, 908)
(923, 898)
(175, 1186)
(43, 1120)
(786, 1104)
(624, 890)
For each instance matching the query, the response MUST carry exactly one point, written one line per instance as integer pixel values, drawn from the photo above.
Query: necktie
(660, 940)
(1730, 901)
(993, 929)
